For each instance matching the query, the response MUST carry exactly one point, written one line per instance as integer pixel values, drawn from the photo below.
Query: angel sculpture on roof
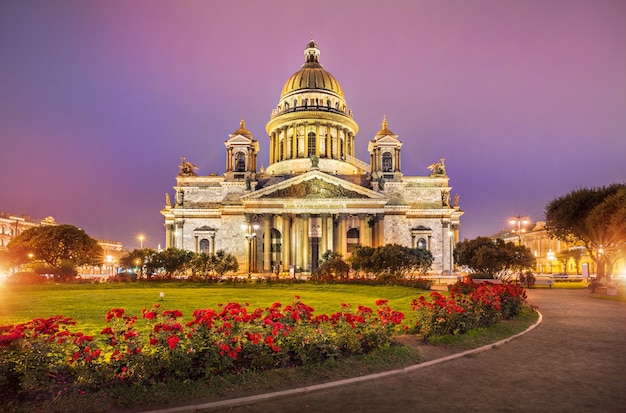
(438, 168)
(187, 168)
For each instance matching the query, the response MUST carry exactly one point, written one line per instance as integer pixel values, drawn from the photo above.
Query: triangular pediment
(388, 140)
(239, 140)
(314, 185)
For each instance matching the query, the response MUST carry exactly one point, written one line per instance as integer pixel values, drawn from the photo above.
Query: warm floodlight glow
(519, 223)
(141, 237)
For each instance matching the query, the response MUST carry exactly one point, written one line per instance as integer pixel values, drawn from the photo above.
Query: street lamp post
(141, 237)
(519, 223)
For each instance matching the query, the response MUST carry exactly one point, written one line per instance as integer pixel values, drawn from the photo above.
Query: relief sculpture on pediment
(315, 188)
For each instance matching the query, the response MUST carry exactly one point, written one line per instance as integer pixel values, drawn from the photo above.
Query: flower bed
(468, 306)
(44, 357)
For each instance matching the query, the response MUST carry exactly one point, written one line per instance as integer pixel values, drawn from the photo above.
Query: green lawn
(87, 304)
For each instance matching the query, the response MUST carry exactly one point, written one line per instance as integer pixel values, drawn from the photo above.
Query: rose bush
(42, 355)
(468, 306)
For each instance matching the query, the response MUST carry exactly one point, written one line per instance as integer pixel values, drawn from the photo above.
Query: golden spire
(384, 131)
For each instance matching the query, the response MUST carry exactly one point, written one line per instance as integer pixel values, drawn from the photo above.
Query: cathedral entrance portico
(301, 239)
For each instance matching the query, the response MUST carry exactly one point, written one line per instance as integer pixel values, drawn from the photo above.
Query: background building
(315, 195)
(13, 225)
(553, 255)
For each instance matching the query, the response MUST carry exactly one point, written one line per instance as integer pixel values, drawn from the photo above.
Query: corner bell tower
(241, 154)
(384, 152)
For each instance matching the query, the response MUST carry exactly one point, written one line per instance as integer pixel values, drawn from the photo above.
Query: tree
(223, 263)
(391, 260)
(202, 265)
(423, 260)
(170, 262)
(493, 257)
(332, 266)
(61, 248)
(137, 258)
(594, 217)
(570, 254)
(361, 259)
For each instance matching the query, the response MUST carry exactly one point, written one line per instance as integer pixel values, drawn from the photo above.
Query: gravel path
(575, 361)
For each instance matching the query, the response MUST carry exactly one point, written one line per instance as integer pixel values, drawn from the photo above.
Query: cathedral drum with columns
(315, 195)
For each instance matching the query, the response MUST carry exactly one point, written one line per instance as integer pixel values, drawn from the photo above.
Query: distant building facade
(553, 255)
(13, 225)
(315, 195)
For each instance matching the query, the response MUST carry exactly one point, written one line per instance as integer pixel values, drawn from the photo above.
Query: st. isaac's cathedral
(315, 195)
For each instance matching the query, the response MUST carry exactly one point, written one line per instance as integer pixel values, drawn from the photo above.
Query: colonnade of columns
(306, 237)
(251, 160)
(376, 160)
(334, 148)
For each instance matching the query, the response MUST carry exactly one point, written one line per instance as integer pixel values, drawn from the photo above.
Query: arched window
(387, 162)
(312, 144)
(204, 245)
(353, 239)
(240, 162)
(421, 244)
(276, 240)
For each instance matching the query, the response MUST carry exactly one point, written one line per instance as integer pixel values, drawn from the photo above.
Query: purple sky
(525, 99)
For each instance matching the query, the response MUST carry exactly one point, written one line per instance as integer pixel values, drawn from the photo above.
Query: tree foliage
(594, 217)
(493, 257)
(332, 266)
(390, 261)
(224, 263)
(169, 262)
(174, 262)
(137, 258)
(61, 248)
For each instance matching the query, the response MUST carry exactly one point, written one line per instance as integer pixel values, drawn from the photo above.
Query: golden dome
(242, 129)
(312, 75)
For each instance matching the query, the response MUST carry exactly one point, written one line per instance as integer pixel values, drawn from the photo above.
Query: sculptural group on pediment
(315, 188)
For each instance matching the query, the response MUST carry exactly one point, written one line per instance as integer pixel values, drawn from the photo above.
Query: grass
(564, 285)
(483, 336)
(87, 304)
